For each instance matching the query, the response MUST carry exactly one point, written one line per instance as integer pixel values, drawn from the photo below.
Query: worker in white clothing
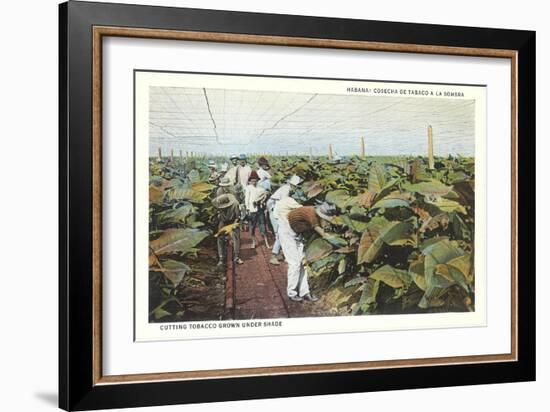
(281, 193)
(263, 174)
(294, 220)
(232, 171)
(214, 175)
(255, 199)
(243, 171)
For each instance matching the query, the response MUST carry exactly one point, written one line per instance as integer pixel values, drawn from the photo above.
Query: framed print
(257, 205)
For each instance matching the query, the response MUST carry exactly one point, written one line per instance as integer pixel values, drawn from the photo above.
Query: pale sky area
(222, 122)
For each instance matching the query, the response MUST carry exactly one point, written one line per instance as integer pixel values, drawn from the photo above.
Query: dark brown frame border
(82, 27)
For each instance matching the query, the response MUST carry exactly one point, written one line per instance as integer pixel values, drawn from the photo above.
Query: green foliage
(396, 278)
(401, 240)
(407, 233)
(180, 221)
(180, 241)
(317, 250)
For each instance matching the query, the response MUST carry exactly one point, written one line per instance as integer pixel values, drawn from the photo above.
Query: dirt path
(260, 288)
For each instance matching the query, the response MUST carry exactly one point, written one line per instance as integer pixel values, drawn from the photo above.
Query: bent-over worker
(294, 220)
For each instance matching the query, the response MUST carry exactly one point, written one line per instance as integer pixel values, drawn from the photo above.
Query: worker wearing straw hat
(228, 224)
(214, 175)
(225, 186)
(232, 171)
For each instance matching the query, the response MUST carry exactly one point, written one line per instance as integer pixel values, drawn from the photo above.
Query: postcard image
(270, 205)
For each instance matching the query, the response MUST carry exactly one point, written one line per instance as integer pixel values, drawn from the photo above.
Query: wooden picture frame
(83, 26)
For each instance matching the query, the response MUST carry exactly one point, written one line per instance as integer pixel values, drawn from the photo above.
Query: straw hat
(295, 180)
(325, 211)
(225, 181)
(224, 201)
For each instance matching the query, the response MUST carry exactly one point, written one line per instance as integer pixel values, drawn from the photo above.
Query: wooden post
(330, 152)
(430, 148)
(310, 152)
(172, 155)
(181, 154)
(362, 147)
(160, 155)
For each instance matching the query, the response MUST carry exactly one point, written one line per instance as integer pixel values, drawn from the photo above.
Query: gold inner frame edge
(99, 32)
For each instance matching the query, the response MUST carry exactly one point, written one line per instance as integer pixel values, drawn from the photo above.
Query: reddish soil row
(257, 290)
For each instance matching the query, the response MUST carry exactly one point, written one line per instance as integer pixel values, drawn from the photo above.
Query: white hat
(295, 180)
(225, 181)
(325, 211)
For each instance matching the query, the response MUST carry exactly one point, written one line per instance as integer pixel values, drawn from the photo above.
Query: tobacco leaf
(432, 187)
(377, 178)
(435, 254)
(177, 241)
(317, 250)
(339, 198)
(396, 278)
